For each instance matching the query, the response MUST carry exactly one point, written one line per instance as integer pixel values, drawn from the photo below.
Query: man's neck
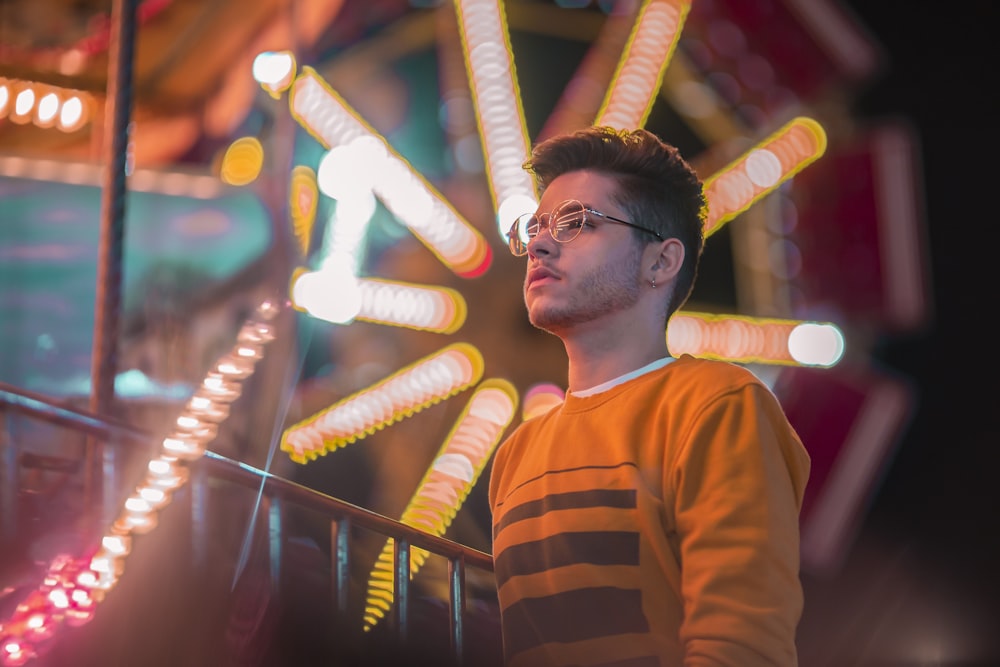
(597, 355)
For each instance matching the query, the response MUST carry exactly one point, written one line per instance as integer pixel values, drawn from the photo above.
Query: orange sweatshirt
(655, 523)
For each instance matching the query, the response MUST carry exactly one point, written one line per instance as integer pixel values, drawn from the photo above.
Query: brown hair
(656, 186)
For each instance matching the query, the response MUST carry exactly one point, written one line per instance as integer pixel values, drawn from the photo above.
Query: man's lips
(539, 274)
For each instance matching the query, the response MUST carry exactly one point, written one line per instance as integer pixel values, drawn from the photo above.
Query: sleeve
(739, 482)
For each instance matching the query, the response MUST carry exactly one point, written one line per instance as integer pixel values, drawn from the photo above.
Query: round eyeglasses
(564, 223)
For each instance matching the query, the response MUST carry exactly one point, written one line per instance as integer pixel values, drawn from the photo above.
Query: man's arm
(740, 481)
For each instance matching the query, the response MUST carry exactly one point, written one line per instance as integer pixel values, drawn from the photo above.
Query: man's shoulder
(699, 368)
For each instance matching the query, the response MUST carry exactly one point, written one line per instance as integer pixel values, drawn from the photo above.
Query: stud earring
(653, 282)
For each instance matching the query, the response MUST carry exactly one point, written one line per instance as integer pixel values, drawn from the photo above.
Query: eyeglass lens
(564, 224)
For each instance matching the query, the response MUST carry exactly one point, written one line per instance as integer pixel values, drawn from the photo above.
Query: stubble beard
(604, 290)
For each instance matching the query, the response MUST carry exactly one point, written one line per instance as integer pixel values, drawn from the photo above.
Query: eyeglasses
(564, 223)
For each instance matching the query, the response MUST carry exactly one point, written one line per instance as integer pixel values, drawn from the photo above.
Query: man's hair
(657, 188)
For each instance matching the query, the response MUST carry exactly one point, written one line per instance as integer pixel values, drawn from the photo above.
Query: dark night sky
(939, 499)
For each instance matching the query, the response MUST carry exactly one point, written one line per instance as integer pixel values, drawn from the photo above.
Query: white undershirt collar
(604, 386)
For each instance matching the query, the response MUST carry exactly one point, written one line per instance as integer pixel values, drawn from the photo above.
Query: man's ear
(668, 256)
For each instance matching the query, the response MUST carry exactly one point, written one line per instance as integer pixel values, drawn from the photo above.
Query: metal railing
(276, 492)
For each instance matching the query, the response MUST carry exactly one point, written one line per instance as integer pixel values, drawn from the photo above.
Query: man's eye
(570, 221)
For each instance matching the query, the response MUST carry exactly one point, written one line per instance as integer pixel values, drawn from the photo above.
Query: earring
(653, 282)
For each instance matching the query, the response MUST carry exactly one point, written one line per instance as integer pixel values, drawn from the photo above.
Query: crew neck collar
(614, 382)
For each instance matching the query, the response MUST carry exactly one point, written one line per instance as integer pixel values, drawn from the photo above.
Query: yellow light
(48, 107)
(166, 475)
(640, 71)
(117, 545)
(235, 367)
(184, 448)
(242, 161)
(750, 177)
(303, 197)
(201, 406)
(135, 522)
(403, 394)
(446, 484)
(24, 102)
(59, 598)
(220, 387)
(156, 497)
(71, 115)
(137, 505)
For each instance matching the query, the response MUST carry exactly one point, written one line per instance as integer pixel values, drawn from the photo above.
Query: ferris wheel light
(274, 70)
(447, 482)
(813, 344)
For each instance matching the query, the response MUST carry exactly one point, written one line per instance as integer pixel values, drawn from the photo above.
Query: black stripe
(564, 471)
(572, 616)
(621, 498)
(602, 547)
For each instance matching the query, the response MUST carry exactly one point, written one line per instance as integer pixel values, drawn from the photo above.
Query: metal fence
(275, 497)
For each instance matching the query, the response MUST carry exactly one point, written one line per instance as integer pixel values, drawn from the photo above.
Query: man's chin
(546, 321)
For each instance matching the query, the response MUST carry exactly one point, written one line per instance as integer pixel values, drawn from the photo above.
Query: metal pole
(456, 607)
(107, 304)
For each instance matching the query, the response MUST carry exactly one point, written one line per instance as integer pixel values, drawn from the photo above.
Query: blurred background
(235, 192)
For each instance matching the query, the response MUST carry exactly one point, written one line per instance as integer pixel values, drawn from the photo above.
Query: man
(652, 518)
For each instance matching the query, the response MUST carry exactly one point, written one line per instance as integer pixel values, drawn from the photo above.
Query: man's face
(594, 277)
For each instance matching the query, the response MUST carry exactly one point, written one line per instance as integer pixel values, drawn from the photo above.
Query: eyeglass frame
(546, 226)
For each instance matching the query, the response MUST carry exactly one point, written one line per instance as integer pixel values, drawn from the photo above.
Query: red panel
(772, 33)
(849, 419)
(860, 234)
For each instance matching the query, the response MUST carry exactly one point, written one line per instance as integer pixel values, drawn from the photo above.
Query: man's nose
(541, 243)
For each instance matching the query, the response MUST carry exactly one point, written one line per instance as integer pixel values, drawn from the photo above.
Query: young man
(652, 518)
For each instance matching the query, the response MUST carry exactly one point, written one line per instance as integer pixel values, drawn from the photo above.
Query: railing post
(340, 552)
(104, 361)
(8, 480)
(401, 589)
(275, 534)
(456, 599)
(199, 517)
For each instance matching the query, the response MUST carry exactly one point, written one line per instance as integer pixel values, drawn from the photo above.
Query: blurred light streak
(736, 187)
(406, 193)
(404, 393)
(181, 184)
(640, 71)
(742, 339)
(340, 299)
(500, 114)
(425, 308)
(583, 96)
(446, 484)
